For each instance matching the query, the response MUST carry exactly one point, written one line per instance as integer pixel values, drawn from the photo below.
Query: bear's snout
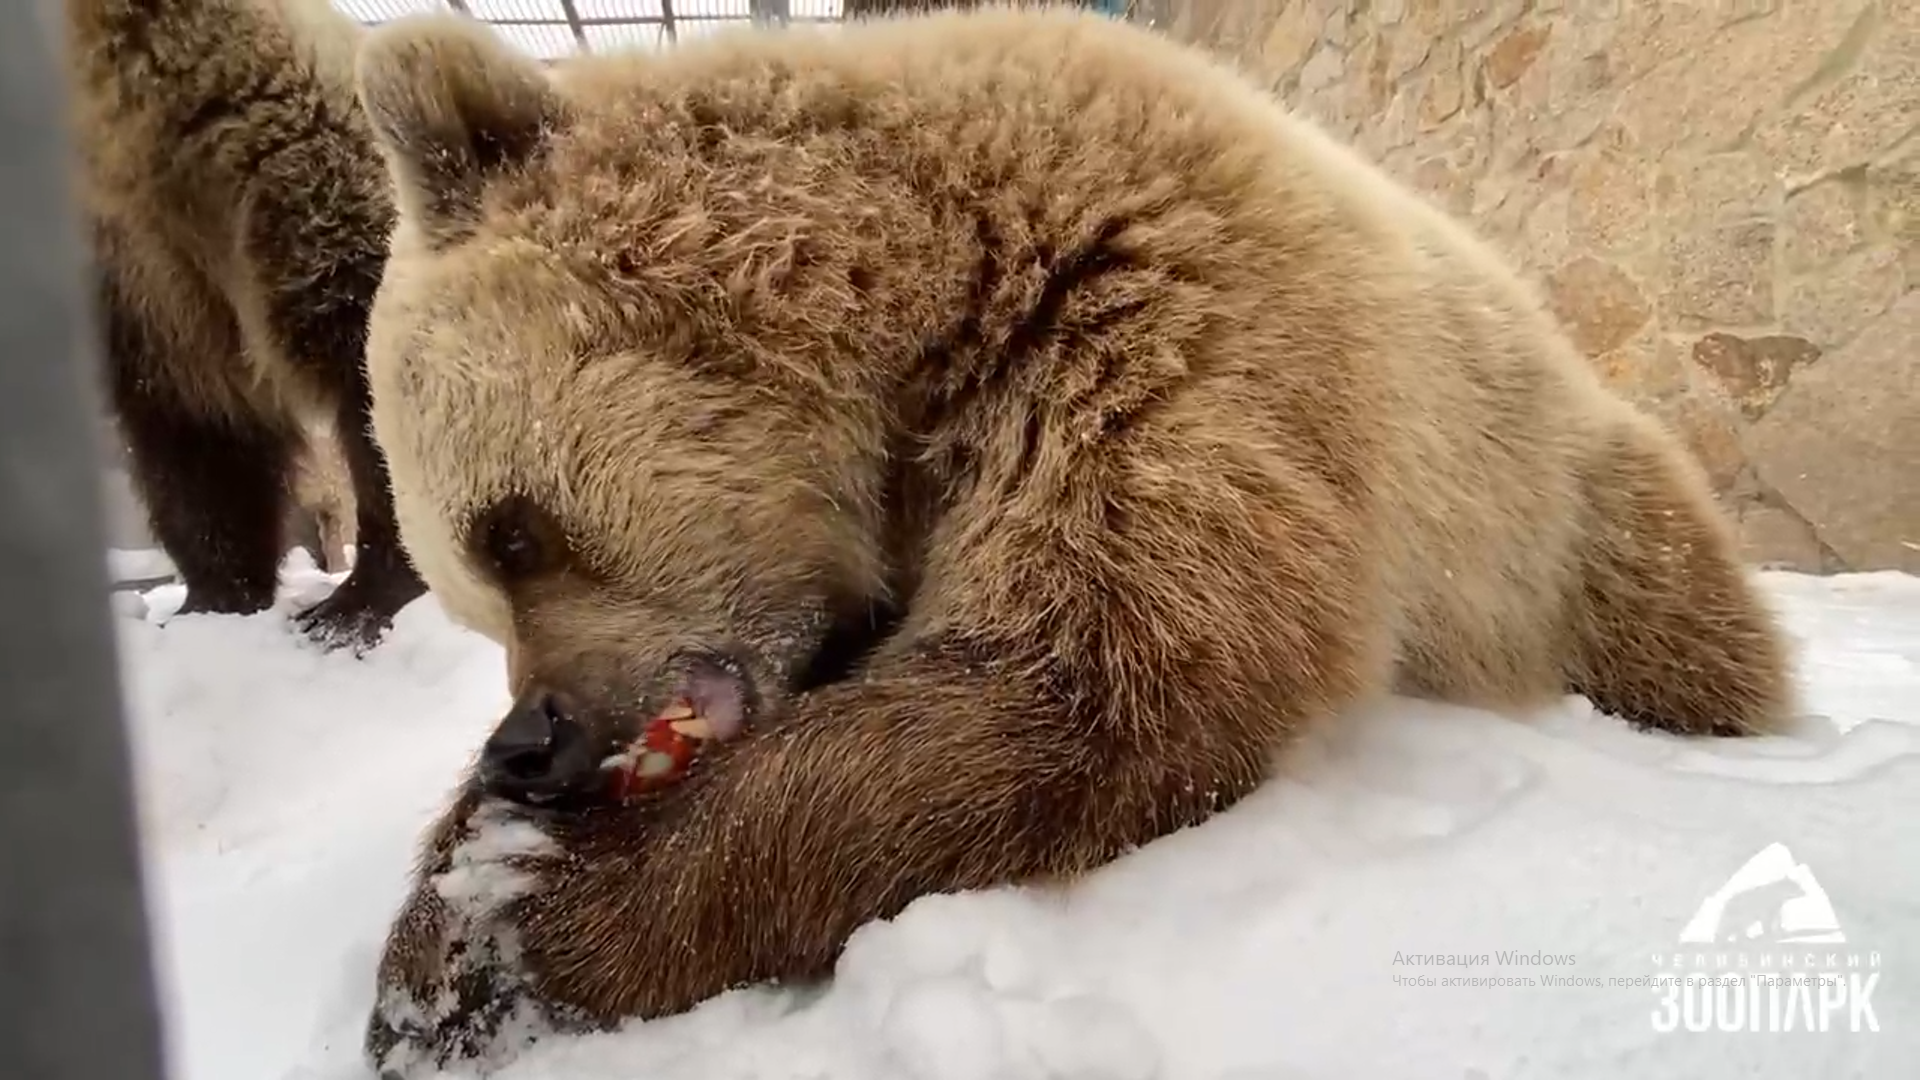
(541, 751)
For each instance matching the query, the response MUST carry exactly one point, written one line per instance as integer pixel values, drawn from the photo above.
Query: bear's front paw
(453, 984)
(477, 1012)
(358, 614)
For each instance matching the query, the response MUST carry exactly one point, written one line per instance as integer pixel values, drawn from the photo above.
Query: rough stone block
(1753, 371)
(1698, 190)
(1842, 444)
(1822, 223)
(1610, 200)
(1720, 275)
(1598, 303)
(1514, 53)
(1829, 306)
(1776, 539)
(1644, 367)
(1893, 197)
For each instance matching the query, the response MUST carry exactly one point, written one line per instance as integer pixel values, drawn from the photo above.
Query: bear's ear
(451, 105)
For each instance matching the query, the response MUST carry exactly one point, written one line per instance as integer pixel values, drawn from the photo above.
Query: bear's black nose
(539, 751)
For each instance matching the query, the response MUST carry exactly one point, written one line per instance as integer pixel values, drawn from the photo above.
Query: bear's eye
(519, 540)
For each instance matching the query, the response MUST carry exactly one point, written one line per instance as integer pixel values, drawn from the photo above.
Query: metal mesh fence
(550, 29)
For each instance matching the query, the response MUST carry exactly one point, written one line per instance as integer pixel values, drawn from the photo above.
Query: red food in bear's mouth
(661, 755)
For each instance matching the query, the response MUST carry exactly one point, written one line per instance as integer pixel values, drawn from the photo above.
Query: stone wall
(1720, 197)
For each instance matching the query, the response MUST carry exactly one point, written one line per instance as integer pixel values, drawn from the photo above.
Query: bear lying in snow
(1016, 422)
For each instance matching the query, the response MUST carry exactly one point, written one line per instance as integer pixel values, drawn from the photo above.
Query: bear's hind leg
(383, 580)
(1668, 630)
(214, 488)
(321, 330)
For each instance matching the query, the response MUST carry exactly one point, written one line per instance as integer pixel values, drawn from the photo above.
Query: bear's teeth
(696, 728)
(679, 710)
(654, 763)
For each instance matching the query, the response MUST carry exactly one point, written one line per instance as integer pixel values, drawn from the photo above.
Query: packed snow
(1398, 903)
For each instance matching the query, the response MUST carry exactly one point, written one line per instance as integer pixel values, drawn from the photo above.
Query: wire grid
(551, 29)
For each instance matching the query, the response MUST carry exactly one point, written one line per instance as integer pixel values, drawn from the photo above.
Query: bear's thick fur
(1125, 422)
(239, 215)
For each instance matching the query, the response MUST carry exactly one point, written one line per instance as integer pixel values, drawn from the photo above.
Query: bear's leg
(935, 773)
(322, 330)
(1098, 681)
(1669, 631)
(382, 580)
(214, 488)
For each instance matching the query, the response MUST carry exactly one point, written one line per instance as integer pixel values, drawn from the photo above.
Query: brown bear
(1015, 420)
(239, 216)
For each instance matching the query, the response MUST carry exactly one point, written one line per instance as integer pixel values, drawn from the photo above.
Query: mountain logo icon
(1772, 900)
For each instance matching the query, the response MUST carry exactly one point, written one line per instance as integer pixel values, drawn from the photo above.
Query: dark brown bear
(239, 216)
(1113, 422)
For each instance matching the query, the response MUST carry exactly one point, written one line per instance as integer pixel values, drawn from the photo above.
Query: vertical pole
(573, 23)
(77, 1000)
(1151, 13)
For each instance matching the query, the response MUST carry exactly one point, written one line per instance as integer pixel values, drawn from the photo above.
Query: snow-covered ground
(1393, 906)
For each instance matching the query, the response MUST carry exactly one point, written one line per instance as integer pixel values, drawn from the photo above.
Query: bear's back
(224, 157)
(1474, 411)
(179, 107)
